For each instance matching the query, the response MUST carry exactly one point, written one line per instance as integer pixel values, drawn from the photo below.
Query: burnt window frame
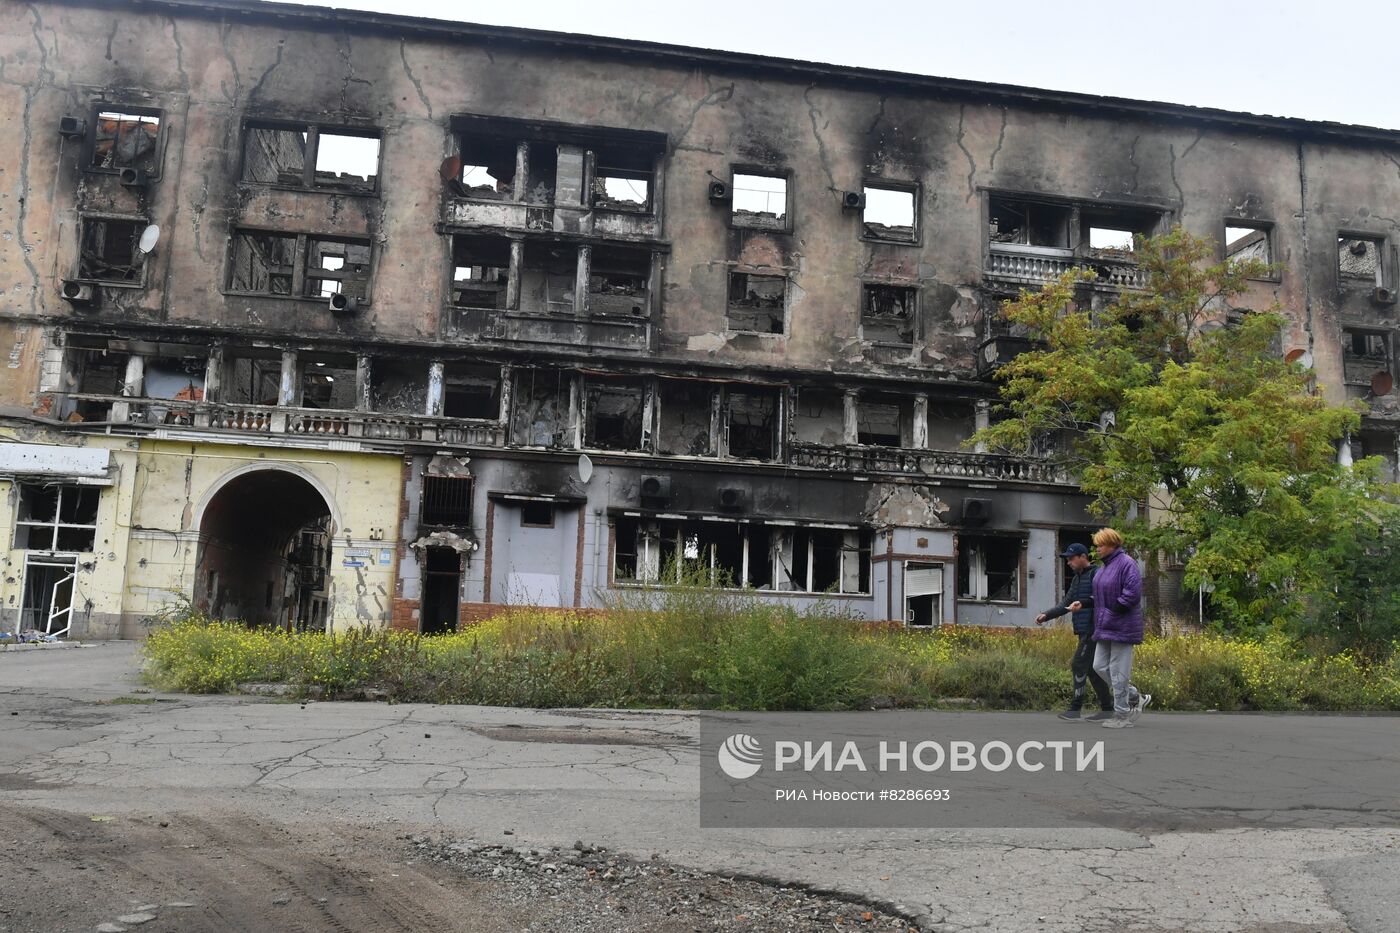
(765, 171)
(730, 273)
(54, 528)
(89, 150)
(1266, 227)
(101, 217)
(1385, 274)
(313, 130)
(299, 264)
(1020, 577)
(1347, 335)
(527, 504)
(915, 189)
(914, 312)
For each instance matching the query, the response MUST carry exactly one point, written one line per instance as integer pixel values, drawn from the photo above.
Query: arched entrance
(265, 551)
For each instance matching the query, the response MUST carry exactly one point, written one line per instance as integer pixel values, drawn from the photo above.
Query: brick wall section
(403, 615)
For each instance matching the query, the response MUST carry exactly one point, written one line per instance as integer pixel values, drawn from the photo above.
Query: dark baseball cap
(1075, 550)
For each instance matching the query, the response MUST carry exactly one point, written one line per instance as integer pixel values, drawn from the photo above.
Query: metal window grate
(447, 500)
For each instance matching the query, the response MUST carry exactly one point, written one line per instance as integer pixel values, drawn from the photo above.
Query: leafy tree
(1166, 395)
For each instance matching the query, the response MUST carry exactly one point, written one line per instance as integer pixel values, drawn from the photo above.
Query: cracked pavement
(372, 773)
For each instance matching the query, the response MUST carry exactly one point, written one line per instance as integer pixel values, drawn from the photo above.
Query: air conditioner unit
(72, 127)
(78, 294)
(135, 178)
(655, 489)
(1382, 295)
(733, 499)
(976, 511)
(719, 191)
(852, 200)
(343, 304)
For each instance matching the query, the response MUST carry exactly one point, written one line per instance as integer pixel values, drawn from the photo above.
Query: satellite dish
(149, 236)
(1306, 360)
(451, 168)
(1294, 355)
(1382, 383)
(585, 468)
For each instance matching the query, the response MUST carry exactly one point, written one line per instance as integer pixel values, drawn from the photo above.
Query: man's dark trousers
(1082, 667)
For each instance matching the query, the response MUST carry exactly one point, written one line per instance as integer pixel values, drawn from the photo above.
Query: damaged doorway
(264, 551)
(47, 606)
(442, 586)
(923, 595)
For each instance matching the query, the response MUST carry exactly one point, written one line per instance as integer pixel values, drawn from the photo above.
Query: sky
(1315, 60)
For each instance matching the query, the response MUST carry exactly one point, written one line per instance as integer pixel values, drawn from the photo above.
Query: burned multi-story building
(324, 318)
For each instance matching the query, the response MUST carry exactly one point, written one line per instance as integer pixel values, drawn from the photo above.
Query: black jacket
(1081, 587)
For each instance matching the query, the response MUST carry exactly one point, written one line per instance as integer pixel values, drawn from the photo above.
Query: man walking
(1080, 594)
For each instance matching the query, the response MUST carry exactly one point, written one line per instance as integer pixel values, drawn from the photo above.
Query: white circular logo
(741, 756)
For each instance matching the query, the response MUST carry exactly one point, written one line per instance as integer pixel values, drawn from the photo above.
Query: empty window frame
(1112, 233)
(751, 424)
(328, 381)
(760, 199)
(125, 137)
(399, 386)
(888, 312)
(613, 409)
(1359, 260)
(1029, 223)
(480, 272)
(299, 155)
(548, 277)
(823, 560)
(890, 213)
(757, 303)
(537, 514)
(288, 265)
(885, 420)
(685, 417)
(989, 568)
(337, 267)
(471, 392)
(619, 281)
(540, 408)
(251, 377)
(1365, 353)
(820, 417)
(1245, 242)
(447, 501)
(108, 251)
(623, 178)
(56, 517)
(488, 167)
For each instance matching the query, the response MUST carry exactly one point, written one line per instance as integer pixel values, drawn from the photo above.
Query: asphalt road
(113, 799)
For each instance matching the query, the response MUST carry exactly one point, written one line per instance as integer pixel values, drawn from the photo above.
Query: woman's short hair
(1109, 537)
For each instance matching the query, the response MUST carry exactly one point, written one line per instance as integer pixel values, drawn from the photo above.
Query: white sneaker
(1116, 723)
(1136, 711)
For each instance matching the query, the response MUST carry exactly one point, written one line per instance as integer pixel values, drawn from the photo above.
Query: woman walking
(1117, 624)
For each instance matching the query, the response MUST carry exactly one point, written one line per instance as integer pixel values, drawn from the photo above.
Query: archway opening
(265, 552)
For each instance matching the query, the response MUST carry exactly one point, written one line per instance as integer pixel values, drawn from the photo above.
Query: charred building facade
(325, 318)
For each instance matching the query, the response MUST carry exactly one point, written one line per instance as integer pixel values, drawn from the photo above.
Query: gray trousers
(1113, 661)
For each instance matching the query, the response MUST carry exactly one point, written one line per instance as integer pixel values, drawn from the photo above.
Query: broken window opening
(548, 277)
(684, 418)
(488, 167)
(889, 213)
(447, 501)
(614, 413)
(537, 514)
(541, 415)
(346, 160)
(757, 303)
(274, 155)
(101, 373)
(824, 560)
(337, 267)
(1113, 233)
(759, 200)
(175, 375)
(820, 417)
(887, 313)
(1244, 243)
(1359, 258)
(109, 250)
(398, 386)
(949, 425)
(619, 281)
(471, 392)
(885, 421)
(750, 420)
(251, 378)
(262, 263)
(1365, 353)
(1029, 223)
(328, 381)
(623, 177)
(125, 139)
(543, 173)
(989, 569)
(56, 517)
(480, 272)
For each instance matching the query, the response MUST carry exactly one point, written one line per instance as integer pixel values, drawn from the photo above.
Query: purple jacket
(1118, 600)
